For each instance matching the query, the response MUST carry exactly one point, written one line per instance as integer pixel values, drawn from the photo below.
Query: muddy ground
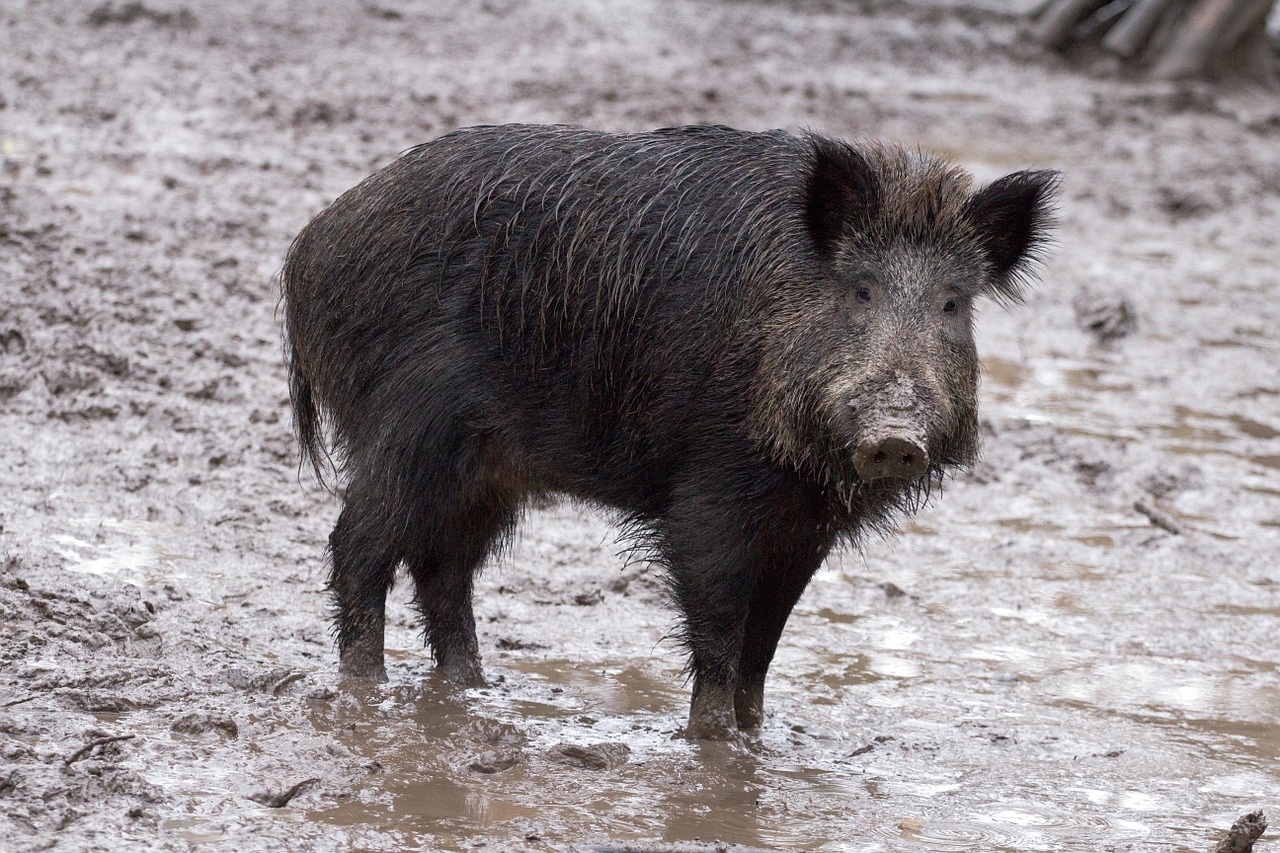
(1076, 649)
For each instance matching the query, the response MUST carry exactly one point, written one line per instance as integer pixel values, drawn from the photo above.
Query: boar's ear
(1014, 217)
(842, 192)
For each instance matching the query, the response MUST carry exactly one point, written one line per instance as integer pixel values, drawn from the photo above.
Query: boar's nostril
(891, 457)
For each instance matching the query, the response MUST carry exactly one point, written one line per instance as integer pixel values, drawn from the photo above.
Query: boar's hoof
(362, 659)
(463, 673)
(711, 715)
(890, 458)
(363, 670)
(748, 704)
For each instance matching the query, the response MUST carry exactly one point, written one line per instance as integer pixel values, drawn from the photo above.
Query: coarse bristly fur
(695, 326)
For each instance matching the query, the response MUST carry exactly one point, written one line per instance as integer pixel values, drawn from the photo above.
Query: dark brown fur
(693, 326)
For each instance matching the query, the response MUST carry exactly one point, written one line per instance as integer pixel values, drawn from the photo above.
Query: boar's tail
(307, 425)
(308, 420)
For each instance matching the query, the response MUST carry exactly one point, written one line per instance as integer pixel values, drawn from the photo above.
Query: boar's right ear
(1014, 217)
(843, 192)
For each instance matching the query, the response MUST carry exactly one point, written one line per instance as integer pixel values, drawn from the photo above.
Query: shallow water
(1041, 685)
(1046, 672)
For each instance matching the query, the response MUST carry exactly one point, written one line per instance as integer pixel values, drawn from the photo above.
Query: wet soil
(1075, 649)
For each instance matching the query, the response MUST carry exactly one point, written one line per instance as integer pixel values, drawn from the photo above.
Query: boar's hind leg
(776, 593)
(452, 550)
(364, 565)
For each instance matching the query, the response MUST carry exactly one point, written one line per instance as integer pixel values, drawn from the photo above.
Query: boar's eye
(864, 295)
(950, 306)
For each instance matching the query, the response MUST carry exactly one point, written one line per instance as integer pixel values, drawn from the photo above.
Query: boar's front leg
(711, 583)
(706, 542)
(741, 546)
(788, 559)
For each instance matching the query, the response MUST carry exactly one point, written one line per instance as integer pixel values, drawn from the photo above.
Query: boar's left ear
(1014, 217)
(842, 193)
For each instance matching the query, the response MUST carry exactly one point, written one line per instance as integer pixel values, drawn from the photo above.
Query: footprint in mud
(200, 722)
(495, 761)
(596, 756)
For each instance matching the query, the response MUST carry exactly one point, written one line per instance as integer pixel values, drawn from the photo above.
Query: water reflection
(434, 777)
(137, 551)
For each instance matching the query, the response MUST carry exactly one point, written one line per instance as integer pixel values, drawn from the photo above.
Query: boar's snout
(889, 428)
(895, 457)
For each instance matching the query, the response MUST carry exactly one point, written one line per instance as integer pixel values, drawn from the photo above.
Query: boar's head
(869, 377)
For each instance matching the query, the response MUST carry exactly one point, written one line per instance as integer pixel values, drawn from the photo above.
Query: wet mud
(1075, 649)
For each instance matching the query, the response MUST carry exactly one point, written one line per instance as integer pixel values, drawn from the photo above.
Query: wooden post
(1130, 34)
(1201, 35)
(1060, 20)
(1252, 18)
